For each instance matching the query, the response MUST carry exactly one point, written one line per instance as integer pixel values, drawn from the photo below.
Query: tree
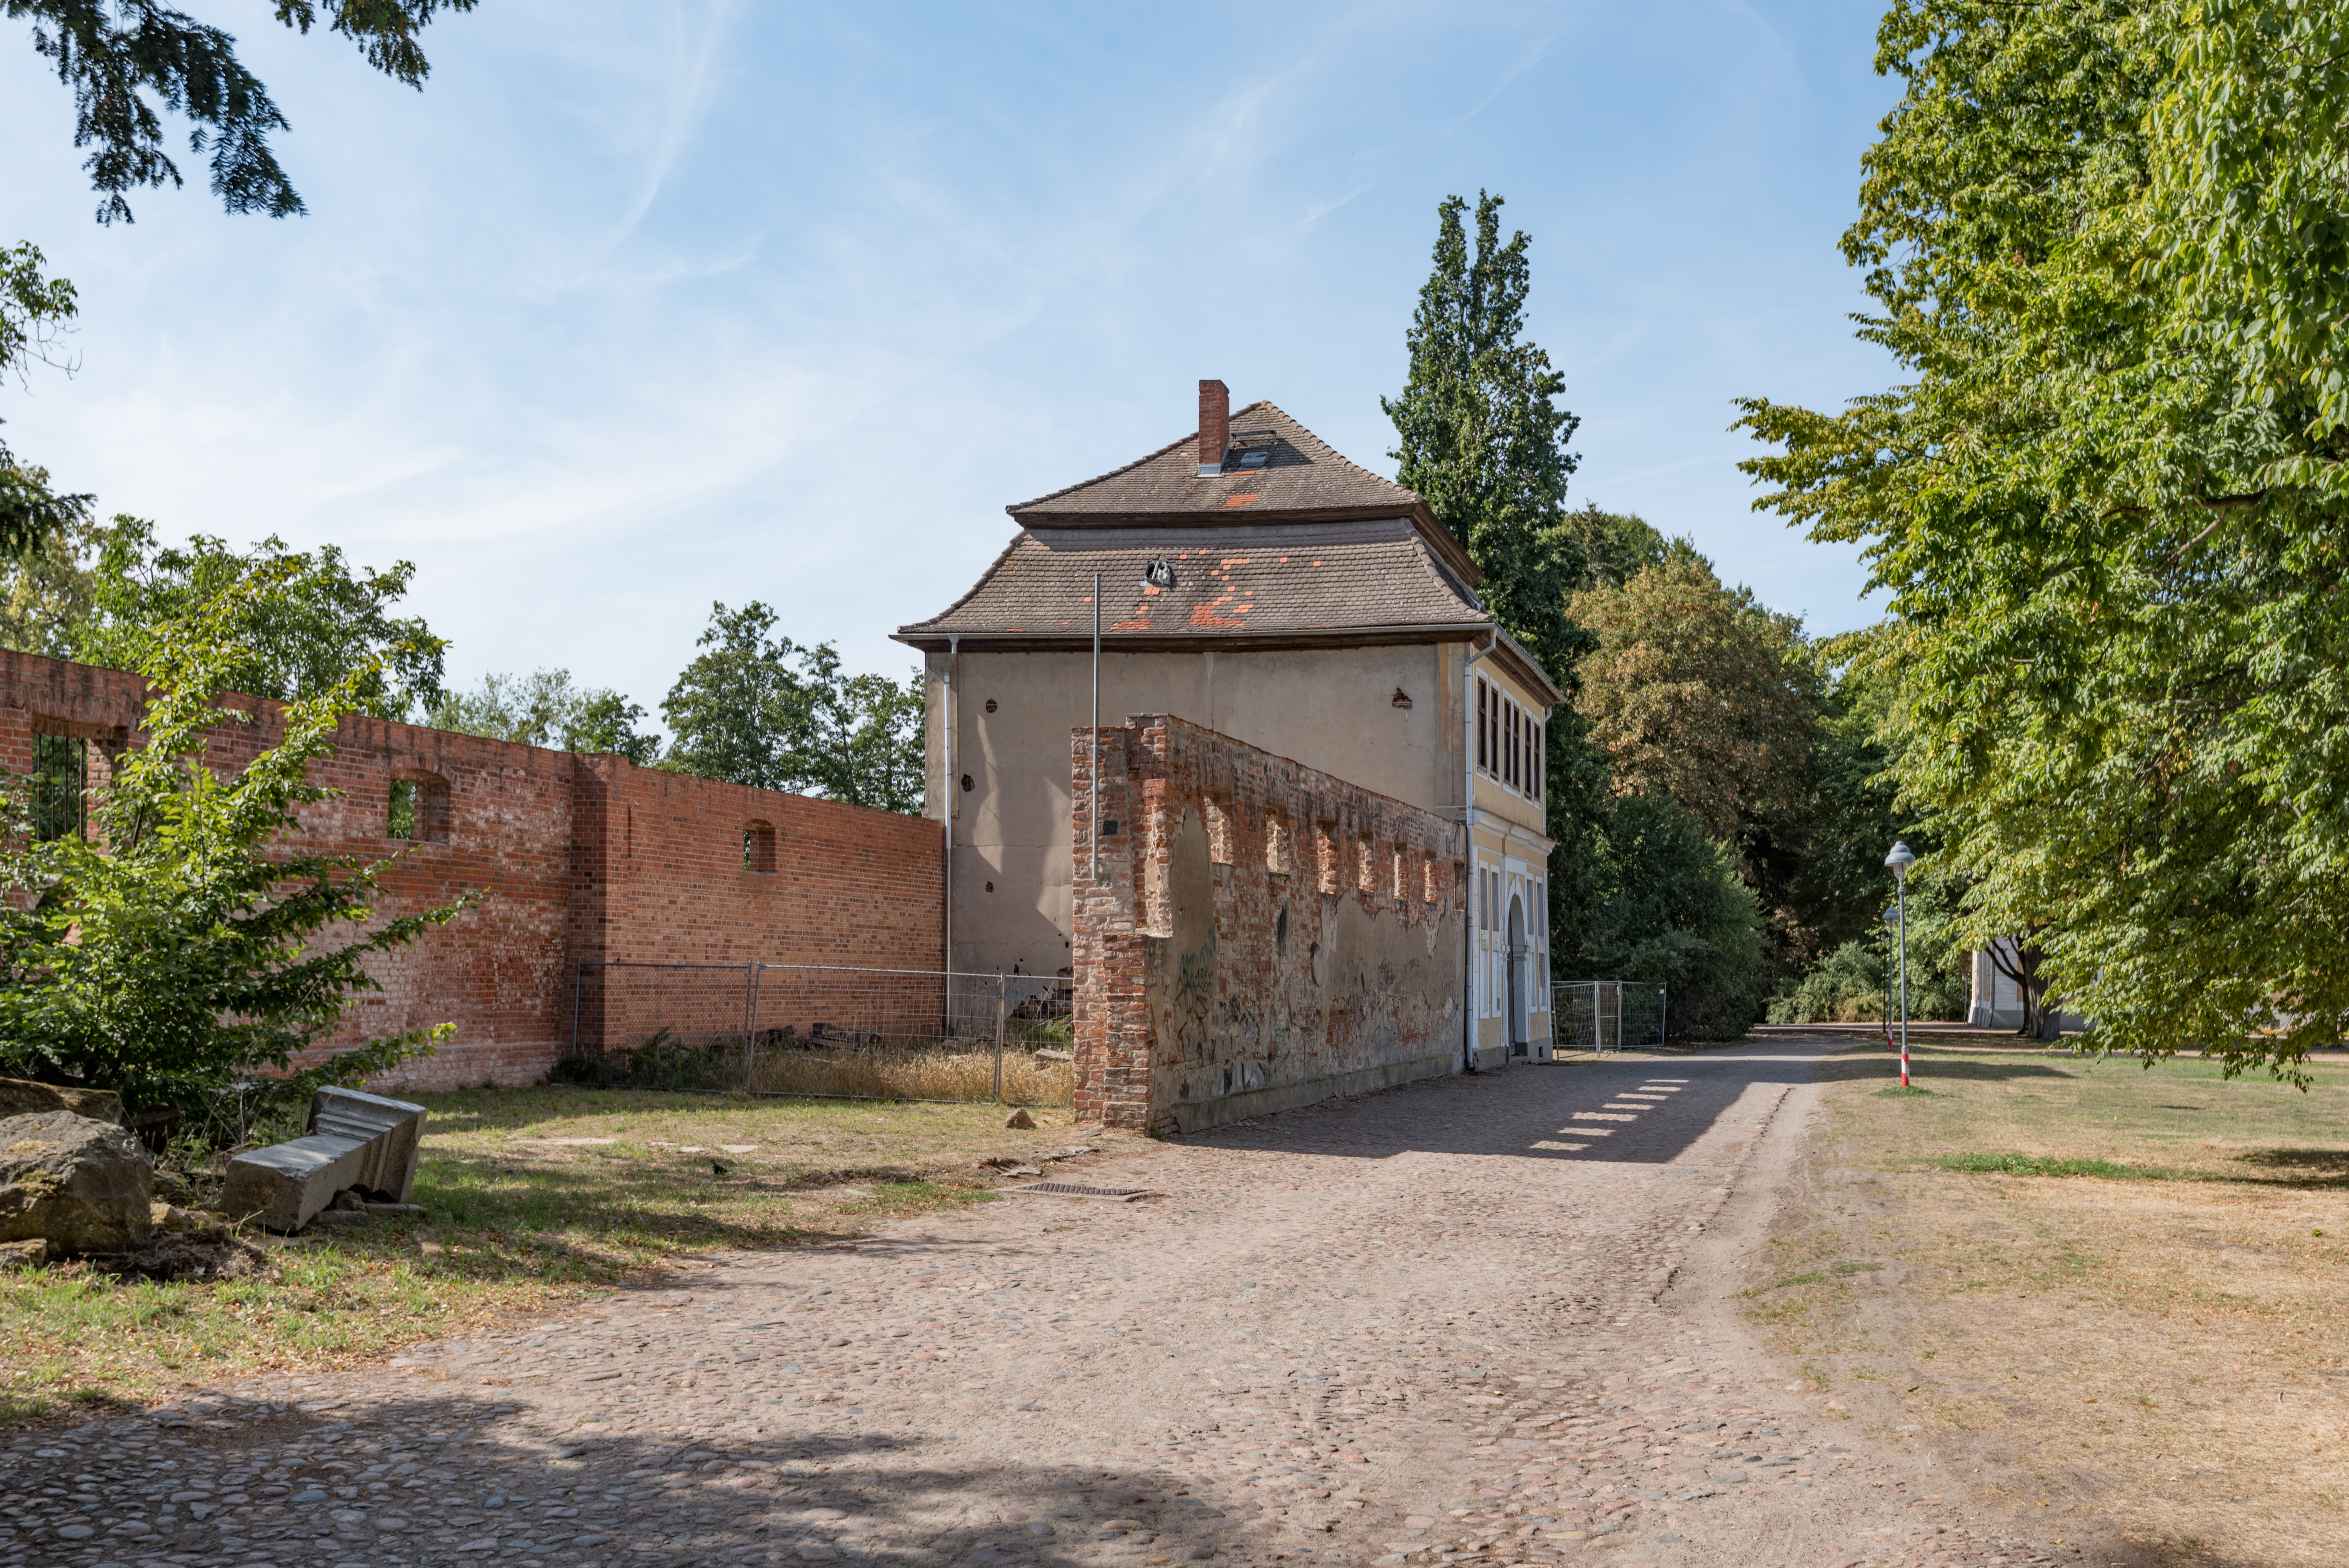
(35, 311)
(125, 60)
(2105, 243)
(317, 623)
(763, 710)
(1692, 692)
(1479, 437)
(1671, 908)
(182, 946)
(547, 707)
(1614, 545)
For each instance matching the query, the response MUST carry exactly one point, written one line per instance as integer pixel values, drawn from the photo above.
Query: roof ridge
(1016, 508)
(1366, 473)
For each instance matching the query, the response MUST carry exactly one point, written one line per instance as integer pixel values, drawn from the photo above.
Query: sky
(639, 307)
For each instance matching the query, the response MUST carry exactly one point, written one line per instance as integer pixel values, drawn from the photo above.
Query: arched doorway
(1520, 1024)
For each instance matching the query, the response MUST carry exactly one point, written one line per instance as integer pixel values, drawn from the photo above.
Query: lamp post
(1901, 858)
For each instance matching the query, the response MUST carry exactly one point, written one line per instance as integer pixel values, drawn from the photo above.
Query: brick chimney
(1215, 427)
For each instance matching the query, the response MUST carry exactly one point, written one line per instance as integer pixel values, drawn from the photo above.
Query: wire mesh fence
(826, 1031)
(1608, 1014)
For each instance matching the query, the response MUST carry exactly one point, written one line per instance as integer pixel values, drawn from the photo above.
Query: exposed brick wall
(580, 858)
(1262, 935)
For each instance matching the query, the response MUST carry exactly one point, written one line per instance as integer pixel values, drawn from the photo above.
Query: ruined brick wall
(577, 857)
(1261, 935)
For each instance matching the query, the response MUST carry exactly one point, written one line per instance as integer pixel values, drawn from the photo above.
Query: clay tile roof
(1301, 475)
(1267, 580)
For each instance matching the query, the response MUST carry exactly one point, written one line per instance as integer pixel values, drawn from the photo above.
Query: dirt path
(1435, 1324)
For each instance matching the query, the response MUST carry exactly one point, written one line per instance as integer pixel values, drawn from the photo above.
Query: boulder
(361, 1141)
(22, 1096)
(83, 1186)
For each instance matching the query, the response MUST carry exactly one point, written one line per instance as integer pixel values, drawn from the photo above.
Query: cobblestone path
(1439, 1324)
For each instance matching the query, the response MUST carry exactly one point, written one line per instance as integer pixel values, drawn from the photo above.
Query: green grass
(532, 1197)
(2048, 1165)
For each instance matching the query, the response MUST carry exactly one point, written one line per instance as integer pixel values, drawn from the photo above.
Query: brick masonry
(580, 857)
(1261, 935)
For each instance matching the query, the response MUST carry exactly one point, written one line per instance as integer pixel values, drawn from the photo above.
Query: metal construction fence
(826, 1031)
(1606, 1015)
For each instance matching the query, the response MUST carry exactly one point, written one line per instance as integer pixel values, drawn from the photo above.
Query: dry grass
(917, 1075)
(2160, 1348)
(534, 1197)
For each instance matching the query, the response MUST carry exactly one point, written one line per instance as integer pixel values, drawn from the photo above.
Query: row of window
(1399, 870)
(1508, 741)
(1494, 888)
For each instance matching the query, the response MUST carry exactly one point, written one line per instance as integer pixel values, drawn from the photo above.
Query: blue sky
(640, 305)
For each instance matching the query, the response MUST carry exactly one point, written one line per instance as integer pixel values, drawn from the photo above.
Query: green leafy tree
(183, 947)
(547, 707)
(1480, 436)
(760, 709)
(1671, 907)
(2104, 245)
(34, 312)
(318, 622)
(127, 62)
(1698, 692)
(48, 591)
(1614, 545)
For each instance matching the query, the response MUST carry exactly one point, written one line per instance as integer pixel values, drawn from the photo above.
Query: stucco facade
(1300, 606)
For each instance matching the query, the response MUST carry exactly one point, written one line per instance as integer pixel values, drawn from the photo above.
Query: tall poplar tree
(1480, 437)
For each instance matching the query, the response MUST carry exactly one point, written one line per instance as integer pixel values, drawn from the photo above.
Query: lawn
(533, 1197)
(2119, 1292)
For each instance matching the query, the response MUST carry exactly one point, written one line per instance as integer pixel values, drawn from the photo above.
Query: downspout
(1468, 833)
(954, 803)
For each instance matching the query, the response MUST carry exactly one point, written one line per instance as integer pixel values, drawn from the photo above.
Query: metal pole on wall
(1095, 812)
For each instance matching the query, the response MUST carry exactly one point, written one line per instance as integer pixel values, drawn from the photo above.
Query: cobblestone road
(1440, 1323)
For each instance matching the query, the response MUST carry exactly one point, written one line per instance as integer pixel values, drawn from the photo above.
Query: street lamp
(1901, 858)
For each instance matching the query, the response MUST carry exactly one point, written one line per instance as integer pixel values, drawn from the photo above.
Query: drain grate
(1076, 1190)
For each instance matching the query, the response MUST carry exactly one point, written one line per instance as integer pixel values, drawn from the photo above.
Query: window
(1401, 872)
(1366, 862)
(1541, 760)
(1509, 746)
(419, 809)
(1276, 844)
(60, 777)
(1219, 831)
(757, 846)
(1325, 856)
(1484, 726)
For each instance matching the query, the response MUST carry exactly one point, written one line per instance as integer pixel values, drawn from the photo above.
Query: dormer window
(1255, 457)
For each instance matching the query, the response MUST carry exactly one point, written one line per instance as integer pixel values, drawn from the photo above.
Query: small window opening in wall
(1275, 845)
(1219, 831)
(1325, 857)
(1402, 697)
(1402, 872)
(966, 785)
(60, 780)
(419, 809)
(990, 887)
(1428, 886)
(991, 705)
(1366, 862)
(757, 846)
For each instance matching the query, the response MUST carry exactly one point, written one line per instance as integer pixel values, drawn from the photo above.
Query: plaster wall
(1330, 708)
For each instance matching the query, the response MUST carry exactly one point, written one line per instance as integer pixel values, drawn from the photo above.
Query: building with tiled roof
(1256, 581)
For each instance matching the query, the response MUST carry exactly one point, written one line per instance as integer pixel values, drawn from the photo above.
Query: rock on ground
(22, 1096)
(84, 1186)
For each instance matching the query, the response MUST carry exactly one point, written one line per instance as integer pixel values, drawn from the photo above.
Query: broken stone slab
(22, 1096)
(78, 1184)
(355, 1139)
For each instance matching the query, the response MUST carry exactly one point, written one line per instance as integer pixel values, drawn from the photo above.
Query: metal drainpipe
(1468, 831)
(954, 799)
